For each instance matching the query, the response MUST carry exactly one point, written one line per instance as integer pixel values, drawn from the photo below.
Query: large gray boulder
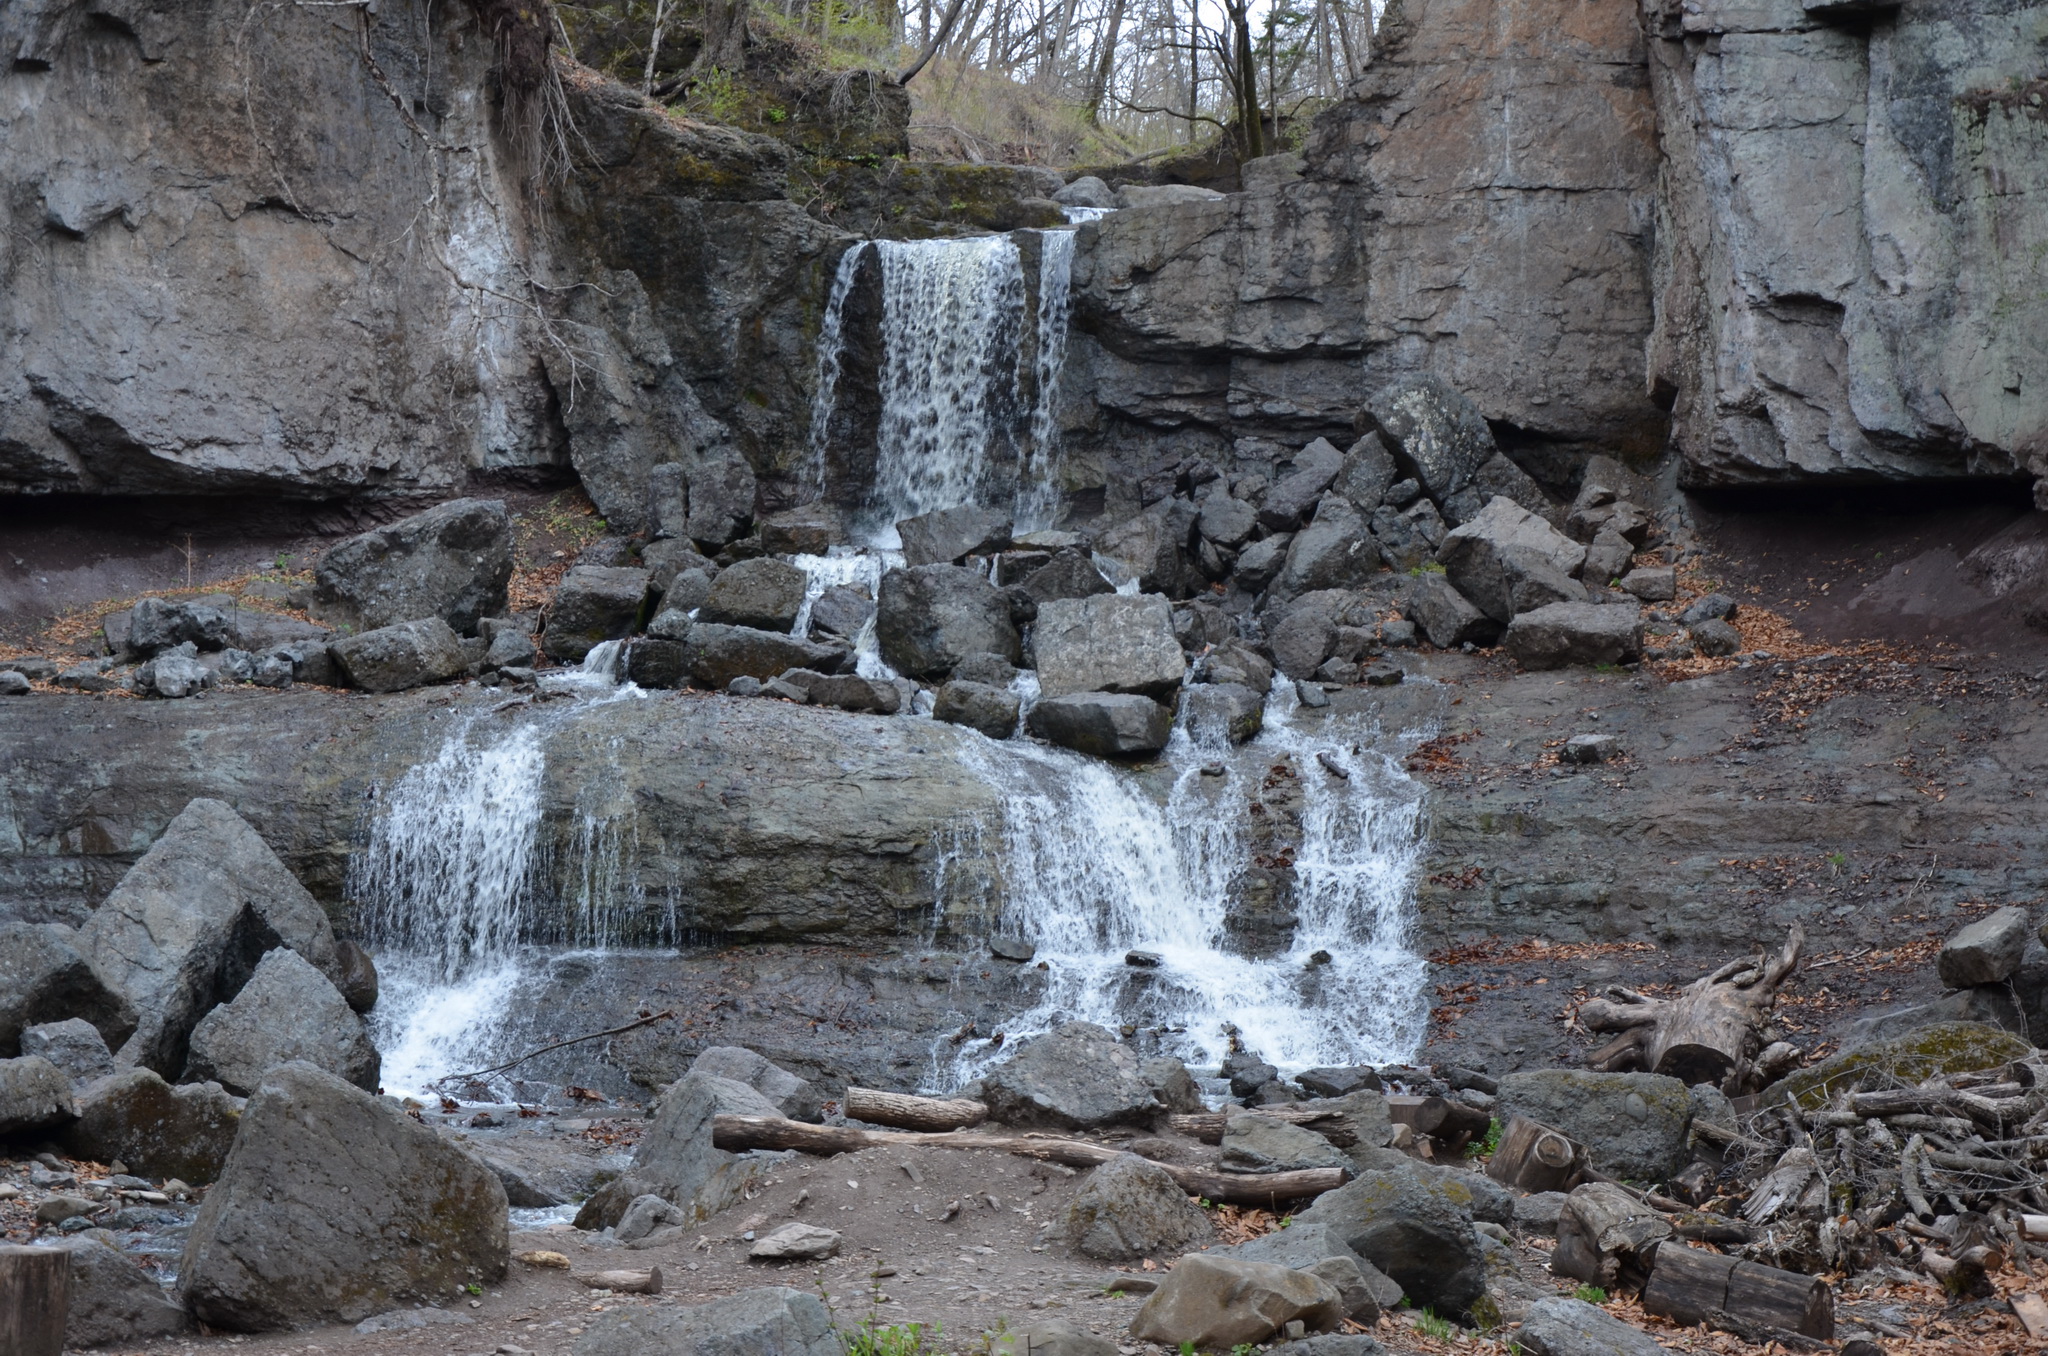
(187, 925)
(1435, 433)
(73, 1045)
(948, 536)
(1130, 1209)
(158, 624)
(763, 593)
(930, 617)
(1306, 634)
(34, 1095)
(1634, 1125)
(1069, 574)
(136, 1118)
(770, 1321)
(1079, 1077)
(796, 1098)
(1254, 1143)
(593, 604)
(1416, 1227)
(1575, 633)
(978, 706)
(1049, 1337)
(453, 561)
(1336, 551)
(1988, 951)
(1103, 724)
(675, 1160)
(1563, 1326)
(394, 658)
(842, 610)
(1446, 616)
(715, 655)
(1154, 547)
(1368, 470)
(1112, 642)
(1217, 1303)
(1407, 537)
(287, 1011)
(1226, 521)
(335, 1205)
(1312, 1247)
(1293, 497)
(1507, 560)
(1231, 710)
(45, 977)
(114, 1300)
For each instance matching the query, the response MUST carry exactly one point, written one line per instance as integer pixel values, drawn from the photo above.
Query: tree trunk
(1208, 1126)
(623, 1282)
(1693, 1287)
(1533, 1157)
(1244, 79)
(725, 36)
(35, 1300)
(911, 1113)
(1234, 1188)
(1711, 1033)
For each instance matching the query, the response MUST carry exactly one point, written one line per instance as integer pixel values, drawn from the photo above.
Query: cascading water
(1037, 492)
(1095, 868)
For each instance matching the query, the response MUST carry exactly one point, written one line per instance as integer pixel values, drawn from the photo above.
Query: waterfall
(1038, 499)
(1094, 868)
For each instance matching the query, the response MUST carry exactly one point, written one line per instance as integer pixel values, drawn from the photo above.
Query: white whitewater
(1095, 868)
(1038, 499)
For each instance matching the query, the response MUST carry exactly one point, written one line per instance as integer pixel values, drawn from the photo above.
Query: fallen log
(738, 1133)
(1439, 1117)
(35, 1300)
(911, 1113)
(623, 1282)
(1691, 1287)
(1534, 1157)
(1712, 1032)
(1208, 1126)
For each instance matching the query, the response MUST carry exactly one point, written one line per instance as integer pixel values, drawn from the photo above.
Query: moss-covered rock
(1943, 1048)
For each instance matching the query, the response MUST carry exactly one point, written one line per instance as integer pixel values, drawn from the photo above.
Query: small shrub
(895, 1339)
(1591, 1294)
(1484, 1146)
(1433, 1324)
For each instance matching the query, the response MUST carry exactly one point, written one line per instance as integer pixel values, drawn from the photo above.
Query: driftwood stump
(1535, 1157)
(911, 1113)
(1753, 1301)
(1712, 1032)
(35, 1300)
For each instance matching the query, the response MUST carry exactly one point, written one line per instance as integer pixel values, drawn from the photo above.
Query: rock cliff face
(1853, 215)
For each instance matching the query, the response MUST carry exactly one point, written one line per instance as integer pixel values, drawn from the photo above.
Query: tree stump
(35, 1300)
(1746, 1298)
(1713, 1032)
(1534, 1157)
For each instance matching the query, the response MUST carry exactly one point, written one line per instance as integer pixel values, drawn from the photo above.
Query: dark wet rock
(1575, 633)
(287, 1012)
(45, 977)
(794, 1097)
(1633, 1125)
(1226, 521)
(1129, 1209)
(73, 1045)
(764, 594)
(1340, 1080)
(772, 1321)
(1234, 711)
(1069, 574)
(1506, 560)
(929, 618)
(1105, 724)
(657, 664)
(1416, 1227)
(676, 1161)
(334, 1205)
(842, 610)
(1154, 547)
(1259, 564)
(1112, 642)
(357, 979)
(1436, 434)
(34, 1095)
(453, 561)
(393, 658)
(949, 536)
(114, 1300)
(1078, 1077)
(189, 922)
(978, 706)
(594, 604)
(136, 1118)
(716, 655)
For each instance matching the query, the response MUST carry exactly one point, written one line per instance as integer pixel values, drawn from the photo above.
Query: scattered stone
(991, 710)
(1988, 951)
(45, 978)
(675, 1160)
(1607, 557)
(453, 561)
(1219, 1302)
(1108, 643)
(1416, 1227)
(929, 618)
(785, 690)
(842, 610)
(1713, 607)
(1340, 1080)
(1446, 616)
(188, 923)
(13, 684)
(114, 1300)
(1335, 551)
(521, 1191)
(764, 593)
(393, 658)
(34, 1095)
(716, 655)
(743, 686)
(335, 1204)
(34, 668)
(1078, 1077)
(1153, 546)
(1069, 574)
(593, 604)
(1634, 1125)
(288, 1011)
(1226, 521)
(1253, 1143)
(1330, 1344)
(1234, 711)
(1294, 496)
(57, 1209)
(1498, 478)
(1408, 537)
(796, 1243)
(1236, 662)
(1715, 639)
(1365, 1289)
(158, 624)
(646, 1214)
(1436, 435)
(1563, 1326)
(1575, 633)
(1260, 563)
(510, 647)
(411, 1320)
(1506, 560)
(1590, 748)
(845, 691)
(74, 1045)
(1537, 1214)
(772, 1321)
(806, 531)
(173, 674)
(1383, 674)
(1104, 724)
(1172, 1084)
(949, 536)
(797, 1098)
(1652, 583)
(157, 1130)
(1050, 1337)
(1012, 949)
(1310, 694)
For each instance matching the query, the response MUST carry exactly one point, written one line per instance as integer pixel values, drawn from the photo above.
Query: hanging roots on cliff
(536, 111)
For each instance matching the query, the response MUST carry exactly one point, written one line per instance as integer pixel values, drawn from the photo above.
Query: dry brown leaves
(1439, 754)
(615, 1134)
(76, 631)
(1497, 951)
(1243, 1223)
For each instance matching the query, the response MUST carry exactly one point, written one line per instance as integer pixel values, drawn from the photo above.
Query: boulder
(34, 1095)
(288, 1011)
(1217, 1303)
(991, 710)
(1563, 1326)
(1416, 1227)
(1172, 1084)
(1104, 724)
(1651, 583)
(1408, 536)
(1712, 607)
(763, 593)
(1607, 557)
(770, 1321)
(187, 925)
(797, 1098)
(521, 1191)
(1330, 1344)
(1902, 1062)
(1236, 662)
(1307, 1247)
(808, 530)
(393, 658)
(1086, 191)
(136, 1118)
(1339, 1080)
(114, 1300)
(1988, 951)
(1078, 1077)
(1367, 473)
(453, 561)
(1508, 560)
(1128, 1210)
(1590, 748)
(1575, 633)
(1049, 1337)
(722, 491)
(1163, 195)
(1226, 521)
(1435, 433)
(593, 604)
(842, 610)
(949, 536)
(1069, 574)
(1634, 1125)
(656, 664)
(1336, 551)
(1259, 564)
(1227, 711)
(74, 1045)
(1154, 547)
(335, 1205)
(1447, 616)
(846, 691)
(510, 648)
(1293, 497)
(1500, 478)
(675, 1160)
(172, 674)
(644, 1215)
(45, 977)
(1538, 1214)
(1112, 642)
(1714, 638)
(1253, 1143)
(1307, 632)
(930, 617)
(158, 624)
(715, 655)
(1986, 1004)
(357, 979)
(796, 1243)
